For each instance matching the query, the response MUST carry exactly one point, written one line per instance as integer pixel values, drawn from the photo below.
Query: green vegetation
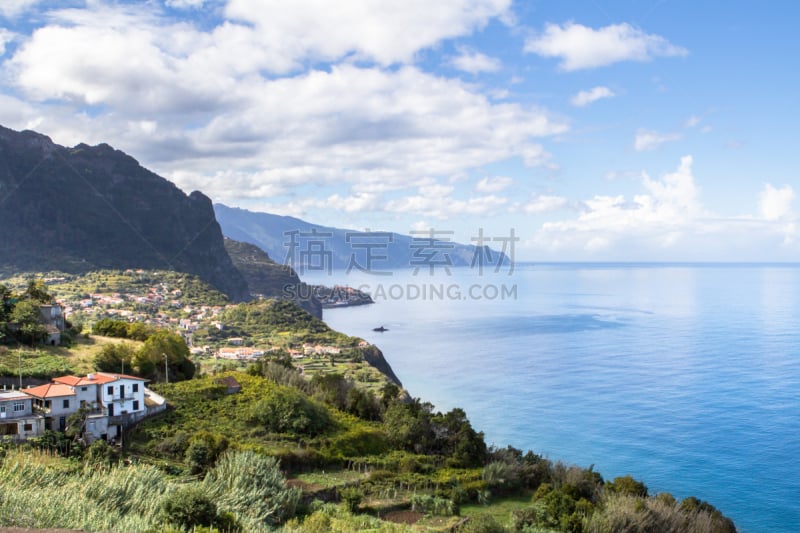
(410, 464)
(360, 453)
(39, 364)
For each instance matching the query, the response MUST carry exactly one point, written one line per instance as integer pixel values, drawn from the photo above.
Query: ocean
(685, 376)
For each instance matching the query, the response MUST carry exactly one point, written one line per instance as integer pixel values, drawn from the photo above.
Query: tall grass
(44, 492)
(253, 488)
(38, 490)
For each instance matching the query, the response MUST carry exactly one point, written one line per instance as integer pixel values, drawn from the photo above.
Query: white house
(56, 402)
(112, 401)
(116, 400)
(17, 419)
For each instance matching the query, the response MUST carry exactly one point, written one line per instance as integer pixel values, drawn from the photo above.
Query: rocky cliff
(90, 207)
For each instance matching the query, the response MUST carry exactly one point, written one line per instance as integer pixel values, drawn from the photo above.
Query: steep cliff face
(374, 357)
(90, 207)
(267, 278)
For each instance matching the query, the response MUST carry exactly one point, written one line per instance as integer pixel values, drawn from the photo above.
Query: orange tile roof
(116, 376)
(75, 380)
(98, 378)
(51, 390)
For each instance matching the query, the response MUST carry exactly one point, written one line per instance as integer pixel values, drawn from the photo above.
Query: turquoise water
(686, 377)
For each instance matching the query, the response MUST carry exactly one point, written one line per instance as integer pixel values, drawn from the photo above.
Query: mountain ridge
(93, 207)
(282, 238)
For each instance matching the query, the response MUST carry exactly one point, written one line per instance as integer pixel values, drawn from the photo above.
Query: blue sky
(629, 130)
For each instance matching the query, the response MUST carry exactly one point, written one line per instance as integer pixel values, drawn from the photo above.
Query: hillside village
(165, 300)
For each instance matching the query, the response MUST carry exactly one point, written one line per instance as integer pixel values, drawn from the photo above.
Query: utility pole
(19, 352)
(166, 369)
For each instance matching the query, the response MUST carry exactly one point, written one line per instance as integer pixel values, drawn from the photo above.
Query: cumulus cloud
(186, 100)
(385, 32)
(493, 184)
(437, 201)
(668, 220)
(5, 37)
(14, 8)
(185, 4)
(776, 204)
(544, 204)
(581, 47)
(584, 98)
(669, 207)
(650, 140)
(475, 62)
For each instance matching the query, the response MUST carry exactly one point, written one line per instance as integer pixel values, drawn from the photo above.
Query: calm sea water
(685, 376)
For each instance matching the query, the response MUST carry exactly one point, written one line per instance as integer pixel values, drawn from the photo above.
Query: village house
(111, 402)
(52, 316)
(56, 402)
(17, 419)
(239, 353)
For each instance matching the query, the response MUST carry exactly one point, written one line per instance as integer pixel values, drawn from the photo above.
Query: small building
(56, 402)
(17, 419)
(232, 386)
(52, 316)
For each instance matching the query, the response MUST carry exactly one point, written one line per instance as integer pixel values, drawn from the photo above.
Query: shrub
(628, 486)
(287, 410)
(188, 507)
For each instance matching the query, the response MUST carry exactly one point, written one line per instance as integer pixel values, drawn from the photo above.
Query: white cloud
(581, 47)
(5, 38)
(668, 221)
(544, 204)
(386, 32)
(493, 184)
(584, 98)
(776, 204)
(437, 201)
(670, 208)
(650, 140)
(475, 62)
(692, 122)
(374, 128)
(185, 4)
(14, 8)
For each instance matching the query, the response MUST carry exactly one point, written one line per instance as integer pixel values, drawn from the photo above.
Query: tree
(6, 302)
(164, 347)
(287, 410)
(37, 292)
(28, 327)
(115, 357)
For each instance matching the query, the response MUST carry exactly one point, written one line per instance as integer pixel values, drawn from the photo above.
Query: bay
(685, 376)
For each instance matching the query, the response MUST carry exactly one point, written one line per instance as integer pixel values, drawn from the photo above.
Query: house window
(66, 404)
(110, 390)
(19, 406)
(84, 389)
(27, 427)
(136, 405)
(47, 404)
(2, 408)
(135, 387)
